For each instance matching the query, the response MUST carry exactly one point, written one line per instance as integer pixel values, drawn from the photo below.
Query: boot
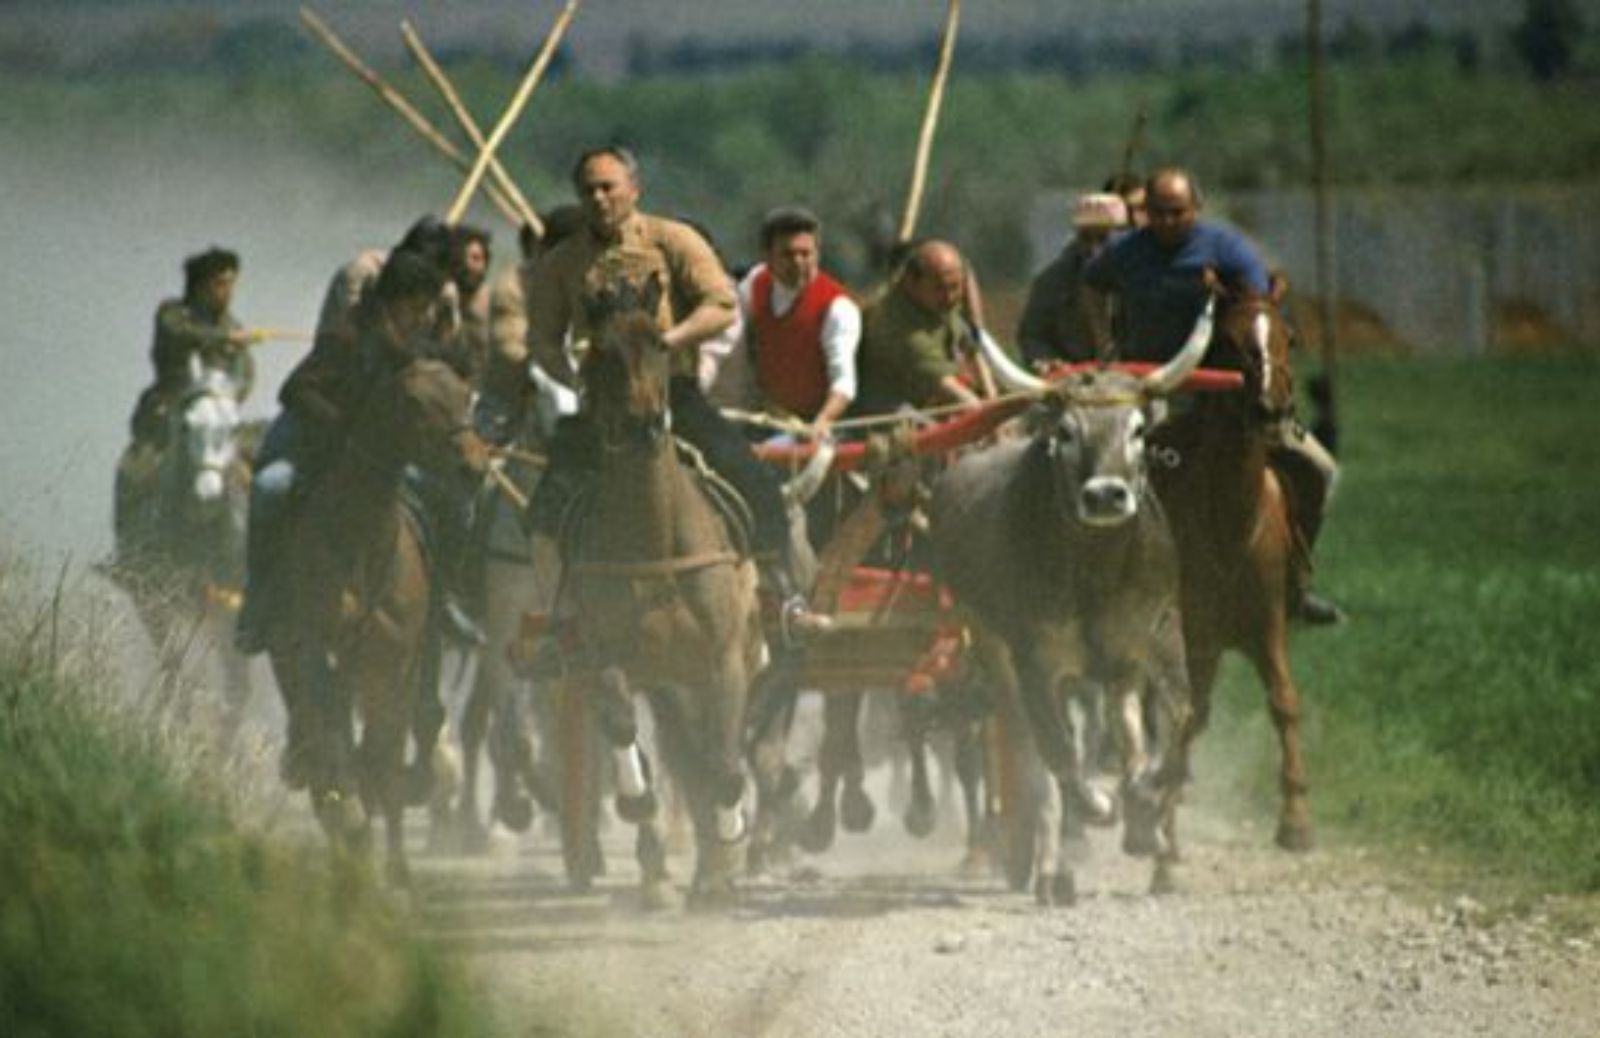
(796, 622)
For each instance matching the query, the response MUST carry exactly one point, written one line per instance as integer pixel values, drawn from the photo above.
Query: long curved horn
(1011, 375)
(1170, 375)
(805, 484)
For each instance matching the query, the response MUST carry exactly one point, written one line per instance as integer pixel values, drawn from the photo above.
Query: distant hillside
(82, 32)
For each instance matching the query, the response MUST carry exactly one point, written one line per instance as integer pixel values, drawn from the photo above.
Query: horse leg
(915, 711)
(722, 728)
(468, 821)
(777, 782)
(856, 810)
(839, 712)
(1283, 699)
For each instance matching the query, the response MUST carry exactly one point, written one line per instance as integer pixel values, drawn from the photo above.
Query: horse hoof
(515, 812)
(1058, 891)
(977, 863)
(636, 810)
(1163, 882)
(417, 786)
(1294, 837)
(657, 896)
(919, 819)
(856, 811)
(816, 835)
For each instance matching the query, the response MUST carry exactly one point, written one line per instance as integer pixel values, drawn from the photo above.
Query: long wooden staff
(415, 119)
(468, 124)
(1135, 140)
(930, 119)
(513, 110)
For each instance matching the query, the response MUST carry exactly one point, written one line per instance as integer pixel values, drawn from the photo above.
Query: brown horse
(351, 638)
(663, 602)
(1230, 514)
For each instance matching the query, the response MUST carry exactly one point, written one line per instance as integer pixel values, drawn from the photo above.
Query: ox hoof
(856, 810)
(1164, 880)
(1295, 837)
(977, 863)
(636, 810)
(1058, 891)
(514, 811)
(920, 818)
(720, 896)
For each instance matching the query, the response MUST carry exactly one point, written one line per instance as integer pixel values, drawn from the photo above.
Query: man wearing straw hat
(1055, 324)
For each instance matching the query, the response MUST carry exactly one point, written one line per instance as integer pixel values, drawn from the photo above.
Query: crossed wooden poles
(501, 190)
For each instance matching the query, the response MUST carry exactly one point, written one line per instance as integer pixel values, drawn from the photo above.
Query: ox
(1057, 545)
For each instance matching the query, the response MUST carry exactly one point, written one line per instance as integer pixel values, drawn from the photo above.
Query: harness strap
(656, 567)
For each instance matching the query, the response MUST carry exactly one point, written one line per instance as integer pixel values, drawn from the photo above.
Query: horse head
(205, 429)
(1253, 337)
(626, 373)
(429, 421)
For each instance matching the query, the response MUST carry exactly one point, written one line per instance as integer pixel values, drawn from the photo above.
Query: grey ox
(1056, 545)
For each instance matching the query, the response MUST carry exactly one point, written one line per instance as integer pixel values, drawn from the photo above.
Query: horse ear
(1277, 287)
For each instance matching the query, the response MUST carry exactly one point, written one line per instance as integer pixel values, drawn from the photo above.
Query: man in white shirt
(801, 326)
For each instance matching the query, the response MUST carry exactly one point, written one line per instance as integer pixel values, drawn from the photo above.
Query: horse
(179, 525)
(352, 639)
(1230, 512)
(662, 600)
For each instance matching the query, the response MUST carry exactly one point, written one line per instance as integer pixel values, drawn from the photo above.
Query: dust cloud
(93, 234)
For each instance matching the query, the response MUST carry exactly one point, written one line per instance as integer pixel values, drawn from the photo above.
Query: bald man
(913, 339)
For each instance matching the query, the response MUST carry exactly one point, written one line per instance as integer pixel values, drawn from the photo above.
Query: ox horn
(805, 484)
(1170, 375)
(1010, 374)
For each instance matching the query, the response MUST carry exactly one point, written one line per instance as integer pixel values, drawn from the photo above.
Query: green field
(1457, 710)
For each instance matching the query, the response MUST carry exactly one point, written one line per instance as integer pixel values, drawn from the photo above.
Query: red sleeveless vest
(790, 365)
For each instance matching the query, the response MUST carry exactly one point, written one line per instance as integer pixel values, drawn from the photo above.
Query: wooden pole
(509, 119)
(468, 124)
(395, 100)
(1135, 139)
(930, 119)
(1326, 288)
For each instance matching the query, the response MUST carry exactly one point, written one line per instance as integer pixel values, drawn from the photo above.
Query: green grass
(132, 904)
(1458, 708)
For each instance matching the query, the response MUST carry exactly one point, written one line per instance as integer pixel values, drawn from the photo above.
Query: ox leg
(969, 768)
(856, 810)
(1056, 742)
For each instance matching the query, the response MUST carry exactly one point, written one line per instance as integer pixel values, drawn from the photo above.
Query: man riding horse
(1158, 275)
(196, 328)
(623, 246)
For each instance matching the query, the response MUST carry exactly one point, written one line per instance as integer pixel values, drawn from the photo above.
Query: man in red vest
(801, 326)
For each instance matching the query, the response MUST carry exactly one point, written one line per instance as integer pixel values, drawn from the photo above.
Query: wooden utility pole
(1326, 287)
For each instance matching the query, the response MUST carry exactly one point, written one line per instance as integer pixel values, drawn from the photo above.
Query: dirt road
(882, 936)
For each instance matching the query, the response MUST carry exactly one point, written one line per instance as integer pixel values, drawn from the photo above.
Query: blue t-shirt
(1163, 292)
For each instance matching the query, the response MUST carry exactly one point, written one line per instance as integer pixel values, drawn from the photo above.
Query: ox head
(626, 372)
(1094, 425)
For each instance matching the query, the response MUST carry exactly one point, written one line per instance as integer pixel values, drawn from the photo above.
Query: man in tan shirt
(619, 244)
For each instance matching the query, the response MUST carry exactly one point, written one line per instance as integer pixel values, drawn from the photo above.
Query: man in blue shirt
(1158, 276)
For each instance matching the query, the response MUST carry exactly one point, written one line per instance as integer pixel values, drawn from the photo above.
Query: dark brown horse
(350, 642)
(664, 603)
(1230, 513)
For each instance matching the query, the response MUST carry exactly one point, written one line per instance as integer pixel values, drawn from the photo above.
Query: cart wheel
(577, 820)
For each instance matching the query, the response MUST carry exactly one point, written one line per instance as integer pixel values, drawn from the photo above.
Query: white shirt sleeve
(841, 336)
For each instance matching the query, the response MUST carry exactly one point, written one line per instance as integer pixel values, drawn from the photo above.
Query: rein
(657, 567)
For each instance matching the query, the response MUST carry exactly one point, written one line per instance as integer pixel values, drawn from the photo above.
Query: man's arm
(698, 279)
(549, 317)
(841, 341)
